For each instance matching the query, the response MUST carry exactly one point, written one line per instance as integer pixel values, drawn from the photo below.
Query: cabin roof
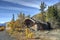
(35, 21)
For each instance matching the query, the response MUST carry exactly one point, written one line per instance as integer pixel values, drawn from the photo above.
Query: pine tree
(42, 8)
(52, 13)
(13, 18)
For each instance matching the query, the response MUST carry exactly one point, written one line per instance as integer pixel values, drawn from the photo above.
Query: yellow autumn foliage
(29, 34)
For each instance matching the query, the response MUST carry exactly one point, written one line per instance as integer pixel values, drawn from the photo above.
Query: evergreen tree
(13, 18)
(52, 13)
(42, 8)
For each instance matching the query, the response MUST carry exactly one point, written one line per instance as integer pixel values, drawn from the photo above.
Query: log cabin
(37, 25)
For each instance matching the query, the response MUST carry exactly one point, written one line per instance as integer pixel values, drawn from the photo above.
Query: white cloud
(12, 8)
(18, 9)
(32, 3)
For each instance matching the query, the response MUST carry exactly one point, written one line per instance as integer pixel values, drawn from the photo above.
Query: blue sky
(29, 7)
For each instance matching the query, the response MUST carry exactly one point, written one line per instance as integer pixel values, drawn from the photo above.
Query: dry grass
(38, 35)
